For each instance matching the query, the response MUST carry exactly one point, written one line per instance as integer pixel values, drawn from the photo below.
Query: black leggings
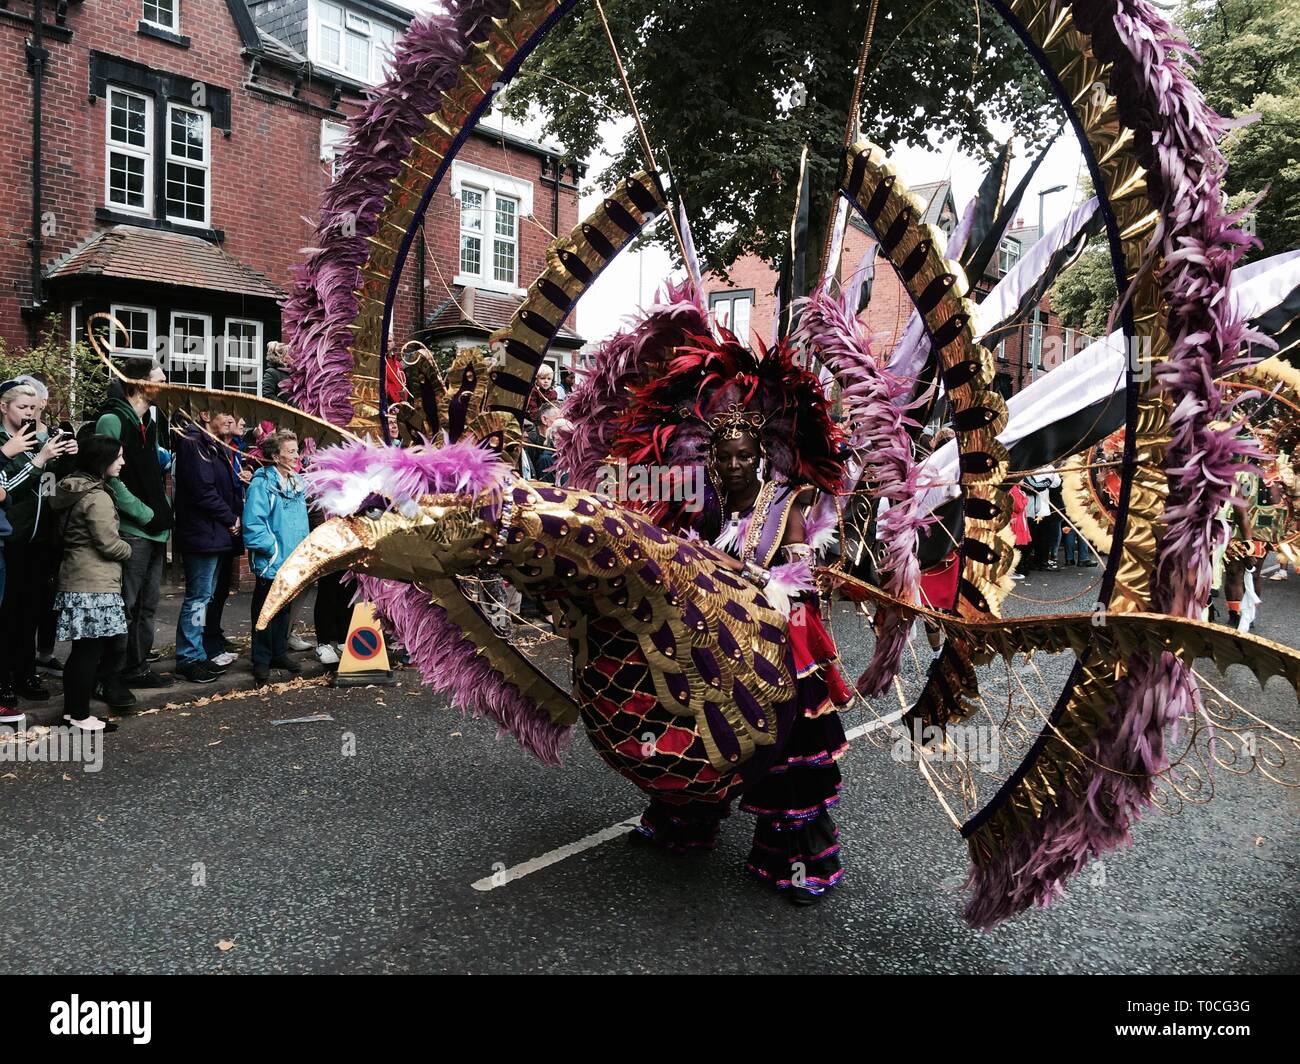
(26, 567)
(79, 674)
(331, 614)
(271, 644)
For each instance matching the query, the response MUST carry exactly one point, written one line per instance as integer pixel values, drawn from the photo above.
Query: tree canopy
(733, 90)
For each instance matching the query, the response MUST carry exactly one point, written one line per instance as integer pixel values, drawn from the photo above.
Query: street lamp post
(1036, 330)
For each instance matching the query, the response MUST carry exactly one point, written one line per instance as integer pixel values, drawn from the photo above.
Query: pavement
(237, 623)
(241, 835)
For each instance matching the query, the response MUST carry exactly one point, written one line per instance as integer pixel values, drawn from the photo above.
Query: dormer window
(350, 43)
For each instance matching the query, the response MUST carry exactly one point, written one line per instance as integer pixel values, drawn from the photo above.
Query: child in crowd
(89, 601)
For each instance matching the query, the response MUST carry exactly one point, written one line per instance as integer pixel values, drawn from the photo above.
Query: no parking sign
(365, 658)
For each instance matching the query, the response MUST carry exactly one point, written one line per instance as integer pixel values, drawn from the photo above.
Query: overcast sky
(633, 279)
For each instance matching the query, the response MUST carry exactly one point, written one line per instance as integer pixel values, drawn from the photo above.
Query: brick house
(747, 304)
(184, 148)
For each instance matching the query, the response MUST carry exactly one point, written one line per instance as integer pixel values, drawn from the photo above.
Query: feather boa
(340, 479)
(451, 664)
(1176, 140)
(876, 404)
(323, 306)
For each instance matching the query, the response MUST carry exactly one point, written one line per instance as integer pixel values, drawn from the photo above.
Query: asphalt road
(352, 845)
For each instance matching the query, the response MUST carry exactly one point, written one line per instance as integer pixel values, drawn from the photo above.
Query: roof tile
(161, 257)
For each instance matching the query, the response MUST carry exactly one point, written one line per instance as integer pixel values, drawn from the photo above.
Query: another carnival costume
(728, 392)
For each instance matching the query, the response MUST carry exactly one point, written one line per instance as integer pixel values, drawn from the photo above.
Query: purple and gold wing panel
(715, 653)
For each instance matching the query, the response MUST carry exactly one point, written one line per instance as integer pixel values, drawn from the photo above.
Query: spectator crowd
(90, 516)
(86, 517)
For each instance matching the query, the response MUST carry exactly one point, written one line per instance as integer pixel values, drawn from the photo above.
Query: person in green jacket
(146, 519)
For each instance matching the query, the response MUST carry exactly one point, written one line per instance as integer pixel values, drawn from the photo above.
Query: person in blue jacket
(275, 522)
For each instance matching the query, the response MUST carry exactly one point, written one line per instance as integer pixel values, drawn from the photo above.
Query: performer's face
(737, 463)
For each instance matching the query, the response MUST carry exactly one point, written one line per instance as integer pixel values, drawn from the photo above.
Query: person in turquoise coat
(275, 522)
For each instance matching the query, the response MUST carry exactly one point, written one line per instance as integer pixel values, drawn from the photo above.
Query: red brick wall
(267, 177)
(442, 226)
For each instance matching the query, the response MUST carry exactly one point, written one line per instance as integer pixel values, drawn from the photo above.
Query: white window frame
(729, 297)
(1008, 245)
(116, 310)
(205, 166)
(174, 26)
(186, 357)
(375, 57)
(496, 238)
(146, 153)
(239, 362)
(478, 234)
(491, 183)
(332, 135)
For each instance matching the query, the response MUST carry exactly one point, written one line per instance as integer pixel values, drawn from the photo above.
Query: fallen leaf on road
(148, 712)
(66, 776)
(215, 742)
(185, 714)
(1259, 840)
(455, 735)
(9, 776)
(225, 945)
(101, 819)
(304, 720)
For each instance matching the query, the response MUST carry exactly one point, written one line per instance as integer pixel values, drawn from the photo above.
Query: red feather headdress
(666, 421)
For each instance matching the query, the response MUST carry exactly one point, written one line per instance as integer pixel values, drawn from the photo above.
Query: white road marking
(501, 875)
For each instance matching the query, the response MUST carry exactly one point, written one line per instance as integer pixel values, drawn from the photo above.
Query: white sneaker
(1017, 576)
(228, 658)
(297, 642)
(86, 724)
(326, 654)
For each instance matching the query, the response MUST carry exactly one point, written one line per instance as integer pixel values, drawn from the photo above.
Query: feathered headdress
(708, 386)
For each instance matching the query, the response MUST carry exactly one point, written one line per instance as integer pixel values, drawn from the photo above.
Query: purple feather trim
(340, 479)
(1177, 135)
(822, 525)
(450, 664)
(622, 361)
(324, 304)
(876, 404)
(785, 582)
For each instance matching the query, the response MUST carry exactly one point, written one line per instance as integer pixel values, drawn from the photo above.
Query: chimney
(467, 304)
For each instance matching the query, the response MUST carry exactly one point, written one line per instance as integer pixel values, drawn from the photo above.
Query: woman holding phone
(33, 463)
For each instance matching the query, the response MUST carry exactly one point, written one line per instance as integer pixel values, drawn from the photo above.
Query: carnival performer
(740, 407)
